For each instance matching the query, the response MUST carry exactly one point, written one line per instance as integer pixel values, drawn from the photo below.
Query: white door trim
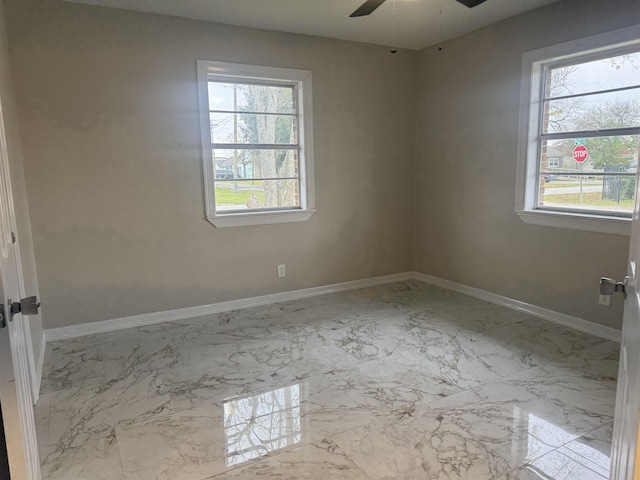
(18, 376)
(625, 464)
(24, 402)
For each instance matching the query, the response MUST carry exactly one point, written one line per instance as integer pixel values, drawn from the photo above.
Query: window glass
(258, 176)
(593, 170)
(251, 97)
(594, 76)
(251, 128)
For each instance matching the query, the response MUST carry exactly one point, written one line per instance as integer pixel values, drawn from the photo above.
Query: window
(553, 162)
(580, 133)
(257, 143)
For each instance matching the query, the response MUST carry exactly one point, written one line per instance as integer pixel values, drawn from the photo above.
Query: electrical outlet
(281, 271)
(605, 300)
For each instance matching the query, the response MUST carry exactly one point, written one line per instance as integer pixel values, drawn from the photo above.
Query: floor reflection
(574, 460)
(273, 417)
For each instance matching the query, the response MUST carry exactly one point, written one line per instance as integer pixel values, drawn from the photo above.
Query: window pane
(258, 194)
(602, 154)
(594, 112)
(606, 193)
(609, 73)
(221, 96)
(257, 164)
(247, 128)
(251, 98)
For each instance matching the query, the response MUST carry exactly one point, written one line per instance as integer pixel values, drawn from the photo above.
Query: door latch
(608, 286)
(26, 306)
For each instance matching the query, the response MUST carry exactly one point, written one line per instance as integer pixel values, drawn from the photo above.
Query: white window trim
(307, 193)
(533, 63)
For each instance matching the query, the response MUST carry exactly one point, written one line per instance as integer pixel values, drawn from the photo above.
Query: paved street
(569, 190)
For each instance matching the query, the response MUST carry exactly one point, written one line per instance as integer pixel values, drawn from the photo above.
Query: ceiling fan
(370, 5)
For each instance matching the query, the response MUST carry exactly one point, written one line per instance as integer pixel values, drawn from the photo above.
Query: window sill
(576, 221)
(261, 218)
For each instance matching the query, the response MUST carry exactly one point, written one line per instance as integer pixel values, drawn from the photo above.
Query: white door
(15, 388)
(625, 456)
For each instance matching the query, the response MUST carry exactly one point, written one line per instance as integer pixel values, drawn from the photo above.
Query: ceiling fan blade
(471, 3)
(367, 8)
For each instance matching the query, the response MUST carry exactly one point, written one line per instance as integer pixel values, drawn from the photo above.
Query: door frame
(625, 445)
(16, 351)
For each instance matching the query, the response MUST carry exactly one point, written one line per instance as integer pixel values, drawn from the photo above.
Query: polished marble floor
(402, 381)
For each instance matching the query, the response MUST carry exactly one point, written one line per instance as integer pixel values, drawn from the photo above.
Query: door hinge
(3, 320)
(13, 237)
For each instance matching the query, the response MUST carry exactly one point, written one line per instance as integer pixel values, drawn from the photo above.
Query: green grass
(589, 198)
(551, 185)
(226, 196)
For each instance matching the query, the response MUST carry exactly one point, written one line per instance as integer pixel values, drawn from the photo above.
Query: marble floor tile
(473, 438)
(315, 311)
(444, 357)
(409, 449)
(471, 356)
(110, 356)
(489, 430)
(302, 413)
(95, 406)
(421, 297)
(595, 445)
(91, 456)
(325, 405)
(320, 461)
(69, 362)
(405, 380)
(585, 458)
(237, 368)
(392, 383)
(471, 316)
(202, 443)
(514, 345)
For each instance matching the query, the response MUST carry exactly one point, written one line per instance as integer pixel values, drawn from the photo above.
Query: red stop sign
(580, 153)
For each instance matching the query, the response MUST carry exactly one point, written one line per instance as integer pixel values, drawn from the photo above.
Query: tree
(581, 113)
(560, 114)
(266, 128)
(617, 150)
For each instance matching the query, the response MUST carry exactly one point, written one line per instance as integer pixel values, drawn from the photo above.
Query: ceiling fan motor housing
(369, 6)
(471, 3)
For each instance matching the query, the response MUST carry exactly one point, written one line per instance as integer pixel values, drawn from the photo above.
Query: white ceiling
(417, 21)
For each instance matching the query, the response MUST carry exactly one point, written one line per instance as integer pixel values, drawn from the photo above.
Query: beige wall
(107, 107)
(23, 234)
(466, 228)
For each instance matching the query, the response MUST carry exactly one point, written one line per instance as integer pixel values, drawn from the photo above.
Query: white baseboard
(40, 367)
(80, 330)
(83, 329)
(551, 315)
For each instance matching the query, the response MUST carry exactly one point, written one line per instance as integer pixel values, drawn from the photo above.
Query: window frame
(242, 73)
(532, 93)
